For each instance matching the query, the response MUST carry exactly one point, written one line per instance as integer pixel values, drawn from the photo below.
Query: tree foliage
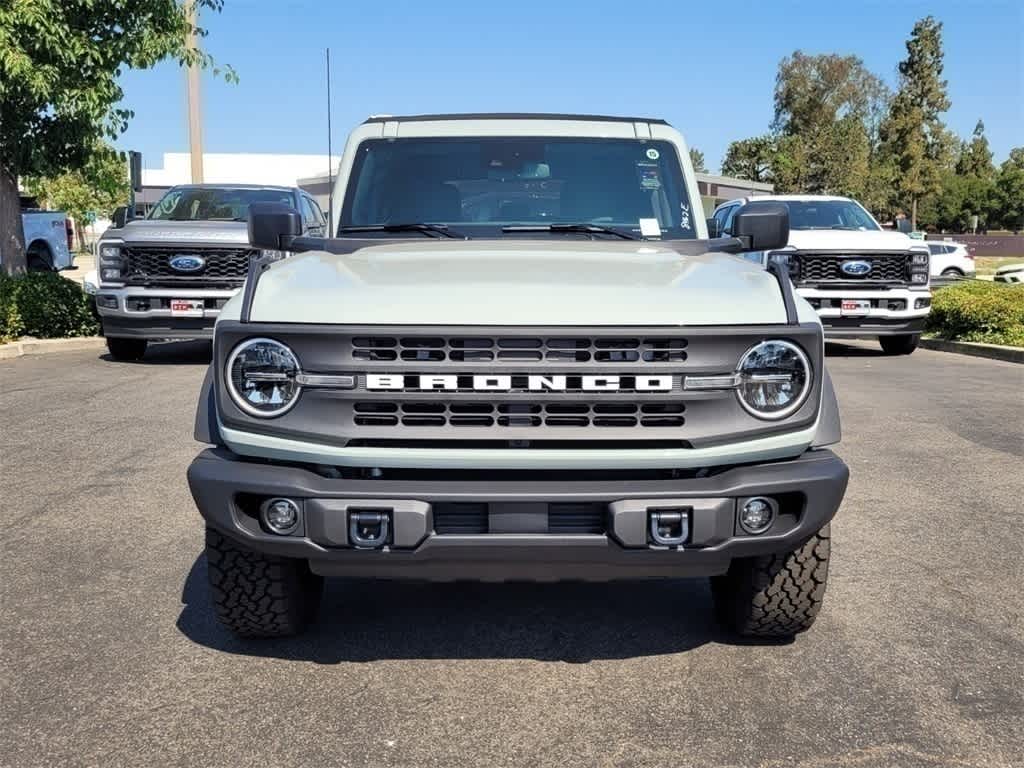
(60, 61)
(97, 188)
(913, 133)
(697, 158)
(750, 159)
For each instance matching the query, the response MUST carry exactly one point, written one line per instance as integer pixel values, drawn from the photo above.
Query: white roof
(797, 198)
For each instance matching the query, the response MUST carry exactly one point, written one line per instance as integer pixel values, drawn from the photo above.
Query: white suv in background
(950, 259)
(863, 281)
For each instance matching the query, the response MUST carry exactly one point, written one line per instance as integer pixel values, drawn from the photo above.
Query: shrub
(44, 305)
(980, 311)
(10, 320)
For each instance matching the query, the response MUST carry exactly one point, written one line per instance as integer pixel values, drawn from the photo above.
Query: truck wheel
(126, 349)
(903, 344)
(257, 595)
(774, 596)
(38, 258)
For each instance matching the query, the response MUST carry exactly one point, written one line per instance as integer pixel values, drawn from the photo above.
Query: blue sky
(708, 68)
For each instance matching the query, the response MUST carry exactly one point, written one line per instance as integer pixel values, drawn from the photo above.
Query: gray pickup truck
(168, 276)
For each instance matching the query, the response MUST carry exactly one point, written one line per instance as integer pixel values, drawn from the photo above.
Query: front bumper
(144, 313)
(517, 544)
(880, 320)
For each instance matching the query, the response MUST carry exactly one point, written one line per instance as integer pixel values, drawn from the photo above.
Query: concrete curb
(991, 351)
(46, 346)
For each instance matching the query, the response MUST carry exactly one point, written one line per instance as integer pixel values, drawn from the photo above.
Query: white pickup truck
(862, 280)
(47, 240)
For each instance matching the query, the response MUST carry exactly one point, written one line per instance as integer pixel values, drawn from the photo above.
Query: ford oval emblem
(187, 263)
(855, 268)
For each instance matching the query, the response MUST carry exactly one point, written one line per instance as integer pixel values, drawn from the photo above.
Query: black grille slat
(536, 349)
(152, 264)
(519, 414)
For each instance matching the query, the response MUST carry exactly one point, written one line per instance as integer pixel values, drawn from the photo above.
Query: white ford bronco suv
(863, 280)
(518, 357)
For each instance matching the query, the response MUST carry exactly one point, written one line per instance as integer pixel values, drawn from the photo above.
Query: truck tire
(38, 258)
(903, 344)
(126, 349)
(257, 595)
(774, 596)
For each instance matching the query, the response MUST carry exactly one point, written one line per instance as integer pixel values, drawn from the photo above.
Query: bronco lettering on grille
(505, 383)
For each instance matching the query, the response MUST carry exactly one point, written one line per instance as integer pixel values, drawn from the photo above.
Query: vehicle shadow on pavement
(864, 349)
(573, 622)
(170, 353)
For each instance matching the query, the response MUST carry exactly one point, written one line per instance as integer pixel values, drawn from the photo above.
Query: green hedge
(981, 311)
(44, 305)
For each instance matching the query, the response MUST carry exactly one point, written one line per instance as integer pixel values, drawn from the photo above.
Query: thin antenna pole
(330, 156)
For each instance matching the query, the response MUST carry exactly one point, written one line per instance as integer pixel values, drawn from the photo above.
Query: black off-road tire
(903, 344)
(121, 348)
(774, 596)
(257, 595)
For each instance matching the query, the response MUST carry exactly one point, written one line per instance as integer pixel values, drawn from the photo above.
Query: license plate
(187, 307)
(855, 307)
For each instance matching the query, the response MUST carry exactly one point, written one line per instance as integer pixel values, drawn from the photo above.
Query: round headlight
(774, 379)
(261, 377)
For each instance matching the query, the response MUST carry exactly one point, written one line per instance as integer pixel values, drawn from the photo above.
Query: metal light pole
(195, 113)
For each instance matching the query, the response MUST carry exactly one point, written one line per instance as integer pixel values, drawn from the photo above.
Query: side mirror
(271, 225)
(120, 217)
(714, 228)
(762, 226)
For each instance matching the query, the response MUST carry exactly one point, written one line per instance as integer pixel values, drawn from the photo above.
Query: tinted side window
(317, 211)
(308, 216)
(730, 212)
(935, 249)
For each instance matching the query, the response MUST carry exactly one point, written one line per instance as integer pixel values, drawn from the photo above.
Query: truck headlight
(919, 261)
(774, 379)
(260, 377)
(111, 264)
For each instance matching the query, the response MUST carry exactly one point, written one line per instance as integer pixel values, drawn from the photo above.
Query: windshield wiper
(430, 230)
(590, 229)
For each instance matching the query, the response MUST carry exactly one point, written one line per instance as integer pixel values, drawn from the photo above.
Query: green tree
(750, 159)
(913, 131)
(975, 157)
(1008, 203)
(59, 95)
(97, 188)
(697, 158)
(827, 111)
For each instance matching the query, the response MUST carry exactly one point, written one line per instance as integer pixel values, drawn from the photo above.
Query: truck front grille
(474, 518)
(151, 265)
(384, 413)
(519, 349)
(893, 268)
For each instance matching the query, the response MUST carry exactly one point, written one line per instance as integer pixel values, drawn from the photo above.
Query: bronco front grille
(385, 413)
(520, 349)
(827, 268)
(147, 265)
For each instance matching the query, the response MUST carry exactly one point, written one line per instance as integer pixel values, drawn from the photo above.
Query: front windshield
(482, 186)
(215, 204)
(828, 214)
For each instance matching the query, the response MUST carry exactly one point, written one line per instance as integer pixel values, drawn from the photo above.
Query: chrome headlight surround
(747, 376)
(279, 373)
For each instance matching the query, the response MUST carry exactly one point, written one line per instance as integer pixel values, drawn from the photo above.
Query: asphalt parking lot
(110, 656)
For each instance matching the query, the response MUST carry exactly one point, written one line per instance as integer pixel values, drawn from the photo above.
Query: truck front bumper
(144, 313)
(893, 312)
(519, 528)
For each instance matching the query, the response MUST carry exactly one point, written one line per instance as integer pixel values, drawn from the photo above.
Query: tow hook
(368, 529)
(668, 527)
